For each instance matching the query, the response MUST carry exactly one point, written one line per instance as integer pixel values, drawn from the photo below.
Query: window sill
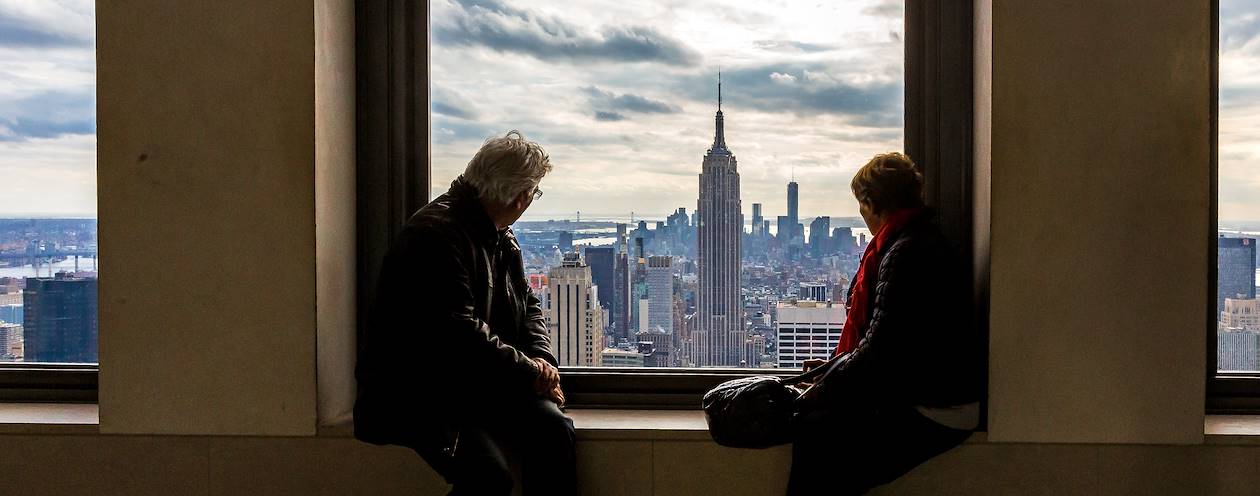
(592, 424)
(49, 418)
(1232, 429)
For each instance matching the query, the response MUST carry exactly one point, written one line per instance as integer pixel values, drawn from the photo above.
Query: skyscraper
(574, 316)
(621, 295)
(784, 232)
(1235, 269)
(718, 339)
(638, 287)
(660, 282)
(843, 239)
(600, 260)
(793, 204)
(820, 236)
(756, 220)
(60, 319)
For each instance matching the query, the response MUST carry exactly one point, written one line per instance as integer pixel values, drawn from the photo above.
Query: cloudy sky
(47, 108)
(1239, 111)
(621, 93)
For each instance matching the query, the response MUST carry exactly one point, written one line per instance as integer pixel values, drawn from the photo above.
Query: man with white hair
(456, 361)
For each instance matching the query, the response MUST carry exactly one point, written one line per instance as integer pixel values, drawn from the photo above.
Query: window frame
(393, 164)
(39, 382)
(22, 382)
(1235, 393)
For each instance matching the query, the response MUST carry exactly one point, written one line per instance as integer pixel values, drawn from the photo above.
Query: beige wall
(193, 466)
(1100, 177)
(335, 209)
(207, 187)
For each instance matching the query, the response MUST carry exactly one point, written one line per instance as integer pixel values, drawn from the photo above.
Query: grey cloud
(47, 115)
(628, 102)
(21, 32)
(447, 130)
(1239, 25)
(496, 25)
(601, 115)
(791, 46)
(813, 92)
(885, 9)
(451, 103)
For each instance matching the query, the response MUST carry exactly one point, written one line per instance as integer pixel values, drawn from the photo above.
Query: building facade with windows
(10, 342)
(815, 291)
(1236, 269)
(1237, 350)
(1241, 314)
(660, 280)
(613, 357)
(574, 317)
(806, 330)
(11, 313)
(59, 316)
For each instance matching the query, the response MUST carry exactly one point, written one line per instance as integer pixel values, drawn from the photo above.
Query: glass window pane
(700, 213)
(48, 181)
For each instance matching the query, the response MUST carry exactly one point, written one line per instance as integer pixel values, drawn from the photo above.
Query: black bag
(756, 412)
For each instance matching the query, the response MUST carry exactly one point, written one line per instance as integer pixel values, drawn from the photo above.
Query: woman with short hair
(910, 385)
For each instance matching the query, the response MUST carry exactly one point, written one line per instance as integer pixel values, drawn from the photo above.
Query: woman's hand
(813, 363)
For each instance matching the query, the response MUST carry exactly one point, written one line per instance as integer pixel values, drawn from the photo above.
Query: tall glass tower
(793, 207)
(718, 338)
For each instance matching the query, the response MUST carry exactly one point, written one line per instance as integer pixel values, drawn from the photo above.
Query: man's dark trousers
(533, 430)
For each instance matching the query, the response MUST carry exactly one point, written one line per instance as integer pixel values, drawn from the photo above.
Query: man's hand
(548, 377)
(556, 396)
(813, 363)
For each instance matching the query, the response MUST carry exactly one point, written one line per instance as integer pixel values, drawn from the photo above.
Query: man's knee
(553, 428)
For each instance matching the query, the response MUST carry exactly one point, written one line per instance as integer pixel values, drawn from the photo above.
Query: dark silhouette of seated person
(910, 386)
(456, 362)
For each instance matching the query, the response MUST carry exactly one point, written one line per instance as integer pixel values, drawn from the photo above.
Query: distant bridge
(47, 254)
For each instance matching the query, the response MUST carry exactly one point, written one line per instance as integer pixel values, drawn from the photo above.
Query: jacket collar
(471, 213)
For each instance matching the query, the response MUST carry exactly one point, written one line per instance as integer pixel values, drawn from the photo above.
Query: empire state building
(718, 336)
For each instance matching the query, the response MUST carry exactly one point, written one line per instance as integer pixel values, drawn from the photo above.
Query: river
(85, 264)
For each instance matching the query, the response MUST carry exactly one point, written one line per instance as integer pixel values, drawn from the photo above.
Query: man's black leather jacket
(454, 323)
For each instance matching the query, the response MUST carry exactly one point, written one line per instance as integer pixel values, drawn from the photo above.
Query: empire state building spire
(718, 336)
(719, 137)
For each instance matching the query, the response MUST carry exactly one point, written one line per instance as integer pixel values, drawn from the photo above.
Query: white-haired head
(505, 168)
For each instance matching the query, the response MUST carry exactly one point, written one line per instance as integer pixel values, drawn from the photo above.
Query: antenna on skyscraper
(719, 88)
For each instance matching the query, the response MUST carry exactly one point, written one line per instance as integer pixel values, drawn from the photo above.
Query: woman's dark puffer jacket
(921, 346)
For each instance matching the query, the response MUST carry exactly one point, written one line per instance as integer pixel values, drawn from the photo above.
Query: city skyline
(619, 93)
(612, 80)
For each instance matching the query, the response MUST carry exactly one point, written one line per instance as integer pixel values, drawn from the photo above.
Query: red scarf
(855, 320)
